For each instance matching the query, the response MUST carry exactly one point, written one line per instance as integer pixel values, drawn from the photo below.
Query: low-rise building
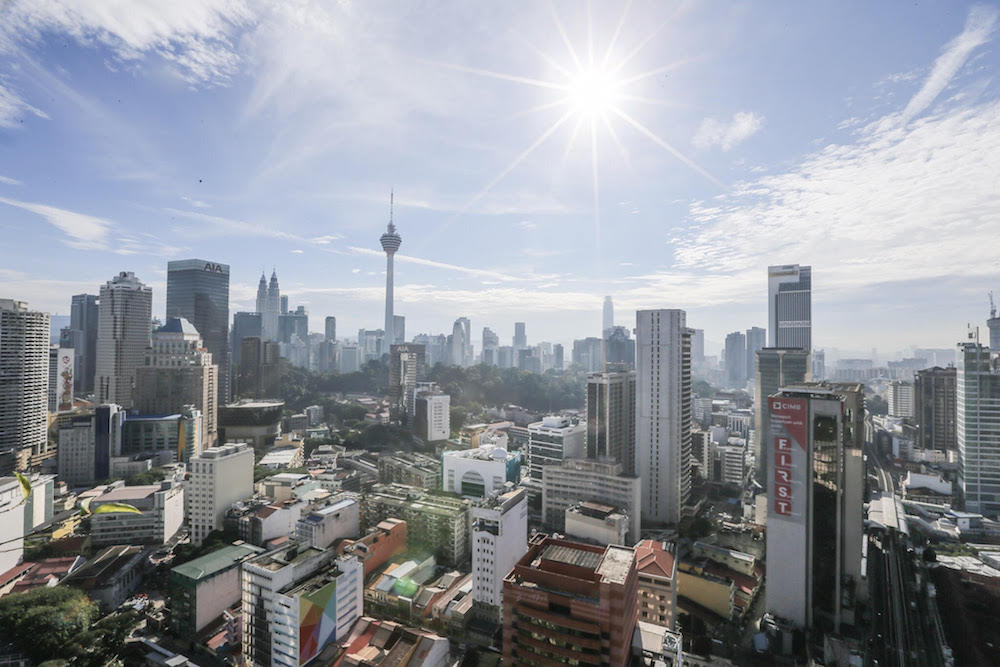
(111, 576)
(657, 568)
(259, 522)
(168, 438)
(923, 488)
(201, 589)
(575, 480)
(411, 469)
(600, 524)
(288, 455)
(374, 550)
(161, 514)
(283, 486)
(257, 422)
(479, 472)
(375, 642)
(437, 521)
(323, 526)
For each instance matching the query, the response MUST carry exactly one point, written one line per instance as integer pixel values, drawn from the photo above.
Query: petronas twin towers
(269, 306)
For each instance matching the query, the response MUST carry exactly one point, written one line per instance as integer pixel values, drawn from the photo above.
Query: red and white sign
(788, 426)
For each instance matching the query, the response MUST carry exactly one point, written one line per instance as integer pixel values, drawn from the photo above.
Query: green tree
(876, 405)
(151, 476)
(43, 623)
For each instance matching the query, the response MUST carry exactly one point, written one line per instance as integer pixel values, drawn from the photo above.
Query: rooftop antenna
(993, 306)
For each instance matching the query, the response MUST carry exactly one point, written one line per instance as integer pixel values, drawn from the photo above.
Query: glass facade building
(198, 291)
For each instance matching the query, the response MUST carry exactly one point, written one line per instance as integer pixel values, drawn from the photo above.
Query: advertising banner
(790, 457)
(64, 379)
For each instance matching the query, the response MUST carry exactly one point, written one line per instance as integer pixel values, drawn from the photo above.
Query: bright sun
(593, 92)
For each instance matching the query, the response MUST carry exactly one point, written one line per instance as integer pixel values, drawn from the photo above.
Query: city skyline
(134, 195)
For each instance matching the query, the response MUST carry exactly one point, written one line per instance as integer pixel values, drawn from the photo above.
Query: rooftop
(654, 558)
(571, 556)
(216, 561)
(615, 565)
(291, 554)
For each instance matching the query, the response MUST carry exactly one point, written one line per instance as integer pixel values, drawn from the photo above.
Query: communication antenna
(993, 306)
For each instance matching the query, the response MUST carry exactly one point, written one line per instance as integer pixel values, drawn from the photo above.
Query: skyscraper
(179, 371)
(460, 343)
(520, 337)
(934, 408)
(663, 413)
(993, 324)
(619, 348)
(490, 344)
(399, 329)
(24, 380)
(123, 334)
(608, 316)
(978, 427)
(814, 523)
(611, 417)
(331, 327)
(774, 368)
(244, 325)
(736, 362)
(261, 295)
(406, 369)
(272, 308)
(390, 244)
(198, 291)
(789, 306)
(82, 337)
(756, 339)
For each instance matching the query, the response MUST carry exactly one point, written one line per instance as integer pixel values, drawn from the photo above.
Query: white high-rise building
(789, 306)
(663, 413)
(123, 334)
(11, 523)
(499, 540)
(296, 601)
(24, 378)
(900, 399)
(220, 476)
(978, 427)
(550, 441)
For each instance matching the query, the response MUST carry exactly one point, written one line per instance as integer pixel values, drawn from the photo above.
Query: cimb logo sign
(778, 405)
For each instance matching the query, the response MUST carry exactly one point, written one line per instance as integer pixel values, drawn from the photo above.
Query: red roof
(14, 572)
(651, 558)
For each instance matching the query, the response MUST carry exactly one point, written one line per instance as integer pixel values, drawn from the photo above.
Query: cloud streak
(85, 232)
(726, 135)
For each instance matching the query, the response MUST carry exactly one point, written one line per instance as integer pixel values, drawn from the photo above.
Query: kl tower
(390, 244)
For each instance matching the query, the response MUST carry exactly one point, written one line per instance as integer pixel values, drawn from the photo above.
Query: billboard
(65, 366)
(317, 621)
(790, 458)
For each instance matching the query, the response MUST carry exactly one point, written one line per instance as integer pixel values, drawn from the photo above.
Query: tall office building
(663, 414)
(774, 368)
(460, 341)
(24, 381)
(87, 443)
(814, 522)
(198, 291)
(756, 340)
(566, 601)
(558, 362)
(789, 306)
(406, 369)
(978, 427)
(390, 244)
(83, 339)
(124, 328)
(736, 362)
(245, 325)
(62, 368)
(269, 306)
(900, 399)
(520, 337)
(330, 327)
(220, 476)
(935, 408)
(491, 343)
(993, 324)
(607, 316)
(258, 375)
(619, 348)
(698, 346)
(611, 417)
(179, 371)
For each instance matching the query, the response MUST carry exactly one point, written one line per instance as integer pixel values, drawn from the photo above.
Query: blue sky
(861, 138)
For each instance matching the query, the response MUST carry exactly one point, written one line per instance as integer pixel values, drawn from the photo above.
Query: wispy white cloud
(919, 199)
(197, 203)
(13, 109)
(297, 251)
(6, 180)
(217, 225)
(727, 134)
(525, 224)
(85, 232)
(195, 36)
(326, 239)
(485, 273)
(979, 26)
